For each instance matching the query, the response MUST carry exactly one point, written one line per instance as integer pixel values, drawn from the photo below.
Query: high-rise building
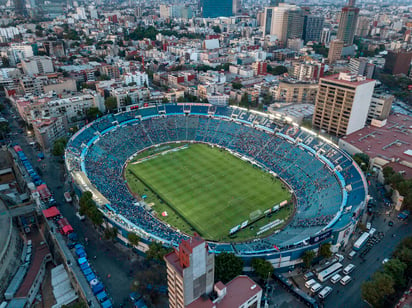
(284, 21)
(361, 67)
(347, 23)
(190, 272)
(312, 28)
(325, 36)
(335, 51)
(190, 280)
(20, 7)
(342, 103)
(397, 62)
(362, 28)
(237, 7)
(216, 8)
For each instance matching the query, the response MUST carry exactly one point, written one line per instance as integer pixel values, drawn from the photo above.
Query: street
(115, 264)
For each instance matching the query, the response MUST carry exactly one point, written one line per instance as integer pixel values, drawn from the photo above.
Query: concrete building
(387, 143)
(342, 103)
(312, 28)
(48, 130)
(362, 27)
(296, 92)
(37, 65)
(347, 23)
(140, 78)
(73, 107)
(380, 107)
(237, 7)
(325, 36)
(190, 272)
(165, 11)
(18, 52)
(397, 62)
(335, 51)
(190, 280)
(31, 86)
(307, 71)
(362, 67)
(284, 21)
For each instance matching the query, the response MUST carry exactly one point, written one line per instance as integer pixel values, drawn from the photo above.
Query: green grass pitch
(209, 188)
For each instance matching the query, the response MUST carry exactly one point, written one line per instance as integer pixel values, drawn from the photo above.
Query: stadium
(253, 184)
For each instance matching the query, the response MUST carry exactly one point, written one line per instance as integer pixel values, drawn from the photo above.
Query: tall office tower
(312, 28)
(362, 28)
(342, 103)
(284, 21)
(217, 8)
(237, 7)
(190, 272)
(20, 7)
(397, 62)
(335, 51)
(347, 23)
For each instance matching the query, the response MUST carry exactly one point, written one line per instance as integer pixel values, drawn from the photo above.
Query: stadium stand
(293, 154)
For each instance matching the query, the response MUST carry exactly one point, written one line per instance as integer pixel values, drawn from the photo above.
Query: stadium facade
(329, 189)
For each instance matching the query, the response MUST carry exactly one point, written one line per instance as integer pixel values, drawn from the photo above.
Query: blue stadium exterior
(329, 188)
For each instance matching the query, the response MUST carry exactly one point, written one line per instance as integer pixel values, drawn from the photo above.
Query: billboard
(320, 237)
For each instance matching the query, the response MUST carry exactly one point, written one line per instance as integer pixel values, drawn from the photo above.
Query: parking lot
(366, 261)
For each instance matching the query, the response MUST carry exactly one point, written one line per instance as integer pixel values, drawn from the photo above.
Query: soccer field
(207, 190)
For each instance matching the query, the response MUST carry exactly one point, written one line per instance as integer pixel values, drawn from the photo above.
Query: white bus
(329, 272)
(361, 241)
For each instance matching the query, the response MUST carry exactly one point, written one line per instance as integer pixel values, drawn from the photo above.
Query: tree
(4, 128)
(227, 267)
(262, 268)
(165, 100)
(216, 29)
(277, 70)
(325, 251)
(237, 85)
(133, 238)
(110, 233)
(59, 146)
(375, 290)
(111, 103)
(362, 160)
(93, 113)
(151, 275)
(157, 252)
(404, 254)
(5, 61)
(244, 101)
(308, 257)
(89, 208)
(396, 269)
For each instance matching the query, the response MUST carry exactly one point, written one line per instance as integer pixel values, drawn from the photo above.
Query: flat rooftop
(391, 142)
(354, 83)
(238, 291)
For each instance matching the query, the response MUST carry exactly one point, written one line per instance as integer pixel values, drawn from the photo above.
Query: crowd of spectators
(317, 190)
